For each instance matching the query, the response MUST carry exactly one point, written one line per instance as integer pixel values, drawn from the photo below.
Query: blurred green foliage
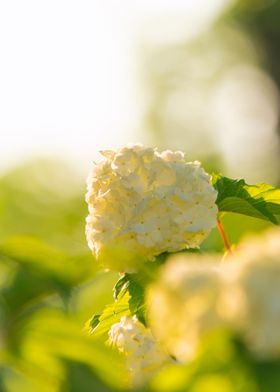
(50, 283)
(222, 364)
(49, 286)
(261, 19)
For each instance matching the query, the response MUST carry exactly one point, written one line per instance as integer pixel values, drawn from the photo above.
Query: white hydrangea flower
(255, 285)
(143, 354)
(143, 202)
(185, 303)
(243, 294)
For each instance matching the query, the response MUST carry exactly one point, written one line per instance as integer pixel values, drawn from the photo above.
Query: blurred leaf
(81, 379)
(44, 198)
(172, 378)
(44, 260)
(93, 295)
(50, 340)
(259, 201)
(37, 270)
(268, 375)
(14, 380)
(33, 253)
(221, 364)
(236, 226)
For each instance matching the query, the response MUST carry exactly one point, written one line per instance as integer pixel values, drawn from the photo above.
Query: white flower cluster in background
(143, 354)
(196, 295)
(256, 284)
(142, 203)
(184, 303)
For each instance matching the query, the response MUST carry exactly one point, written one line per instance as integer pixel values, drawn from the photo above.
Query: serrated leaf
(137, 300)
(129, 295)
(121, 285)
(259, 201)
(99, 325)
(134, 285)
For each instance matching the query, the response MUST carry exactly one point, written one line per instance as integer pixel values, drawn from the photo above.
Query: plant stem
(223, 235)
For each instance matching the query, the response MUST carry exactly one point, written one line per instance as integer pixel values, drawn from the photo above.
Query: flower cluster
(194, 296)
(184, 303)
(144, 355)
(255, 282)
(143, 202)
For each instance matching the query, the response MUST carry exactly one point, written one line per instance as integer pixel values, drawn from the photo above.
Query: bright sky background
(68, 71)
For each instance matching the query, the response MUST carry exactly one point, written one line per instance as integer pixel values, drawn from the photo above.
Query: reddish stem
(223, 235)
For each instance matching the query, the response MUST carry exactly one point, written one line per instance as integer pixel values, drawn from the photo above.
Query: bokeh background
(77, 77)
(203, 76)
(80, 77)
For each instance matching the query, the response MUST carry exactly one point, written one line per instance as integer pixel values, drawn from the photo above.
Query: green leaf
(94, 322)
(134, 285)
(259, 201)
(99, 325)
(129, 295)
(121, 285)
